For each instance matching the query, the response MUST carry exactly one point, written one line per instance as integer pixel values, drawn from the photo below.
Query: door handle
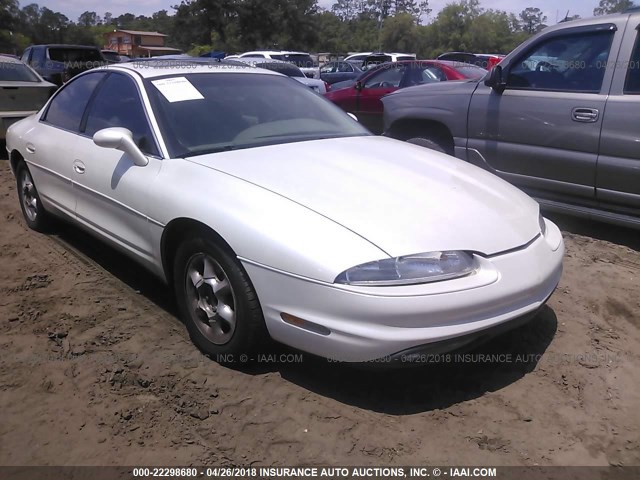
(585, 115)
(78, 166)
(31, 148)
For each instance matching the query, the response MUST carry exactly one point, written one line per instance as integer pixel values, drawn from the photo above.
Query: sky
(553, 9)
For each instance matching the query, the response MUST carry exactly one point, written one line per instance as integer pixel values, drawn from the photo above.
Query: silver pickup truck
(559, 117)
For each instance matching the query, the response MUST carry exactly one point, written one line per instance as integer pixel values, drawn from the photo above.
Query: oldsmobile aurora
(273, 213)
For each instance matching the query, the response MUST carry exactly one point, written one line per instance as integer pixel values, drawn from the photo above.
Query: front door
(112, 197)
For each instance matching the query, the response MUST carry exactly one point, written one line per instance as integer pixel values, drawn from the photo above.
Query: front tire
(217, 301)
(36, 217)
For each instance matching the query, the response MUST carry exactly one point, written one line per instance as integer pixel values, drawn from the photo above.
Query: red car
(363, 97)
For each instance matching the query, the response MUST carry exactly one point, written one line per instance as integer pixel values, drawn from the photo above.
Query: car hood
(402, 198)
(462, 87)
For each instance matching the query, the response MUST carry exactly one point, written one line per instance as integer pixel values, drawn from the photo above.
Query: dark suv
(59, 63)
(559, 117)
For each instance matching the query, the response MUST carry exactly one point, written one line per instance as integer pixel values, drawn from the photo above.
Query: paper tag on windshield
(177, 89)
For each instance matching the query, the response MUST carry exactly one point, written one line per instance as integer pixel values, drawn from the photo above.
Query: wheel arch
(406, 128)
(14, 158)
(176, 231)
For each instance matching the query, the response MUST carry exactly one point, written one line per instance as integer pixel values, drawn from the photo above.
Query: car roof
(585, 22)
(150, 69)
(64, 45)
(281, 52)
(8, 59)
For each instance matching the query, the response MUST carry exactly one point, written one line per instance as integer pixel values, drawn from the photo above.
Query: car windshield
(74, 55)
(202, 113)
(16, 72)
(284, 68)
(112, 56)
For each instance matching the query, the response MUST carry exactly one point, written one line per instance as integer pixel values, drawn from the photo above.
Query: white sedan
(274, 214)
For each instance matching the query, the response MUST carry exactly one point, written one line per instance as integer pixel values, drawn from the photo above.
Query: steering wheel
(387, 85)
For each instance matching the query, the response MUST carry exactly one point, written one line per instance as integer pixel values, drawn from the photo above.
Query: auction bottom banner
(323, 472)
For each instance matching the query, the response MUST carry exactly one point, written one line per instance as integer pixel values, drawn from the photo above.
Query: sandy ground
(95, 369)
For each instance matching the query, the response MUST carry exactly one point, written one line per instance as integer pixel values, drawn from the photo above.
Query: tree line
(196, 26)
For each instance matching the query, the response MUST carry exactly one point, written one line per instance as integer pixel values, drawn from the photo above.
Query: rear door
(51, 148)
(543, 132)
(618, 179)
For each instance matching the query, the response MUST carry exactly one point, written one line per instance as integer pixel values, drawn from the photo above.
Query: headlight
(411, 270)
(543, 225)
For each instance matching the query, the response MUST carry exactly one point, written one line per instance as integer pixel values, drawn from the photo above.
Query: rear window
(74, 55)
(299, 59)
(283, 68)
(111, 56)
(16, 72)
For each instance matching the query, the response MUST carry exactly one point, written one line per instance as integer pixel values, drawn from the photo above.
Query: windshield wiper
(205, 151)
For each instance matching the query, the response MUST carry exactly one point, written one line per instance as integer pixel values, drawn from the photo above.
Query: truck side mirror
(495, 79)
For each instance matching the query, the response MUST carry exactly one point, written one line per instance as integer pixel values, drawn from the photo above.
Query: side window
(632, 84)
(38, 57)
(118, 104)
(344, 67)
(388, 77)
(328, 68)
(571, 63)
(68, 106)
(433, 74)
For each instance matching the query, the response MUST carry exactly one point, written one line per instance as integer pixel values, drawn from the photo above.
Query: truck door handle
(585, 115)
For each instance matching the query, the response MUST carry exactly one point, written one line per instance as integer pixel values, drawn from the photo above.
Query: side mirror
(352, 116)
(358, 86)
(120, 139)
(495, 79)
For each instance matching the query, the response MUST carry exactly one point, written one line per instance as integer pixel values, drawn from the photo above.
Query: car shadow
(445, 381)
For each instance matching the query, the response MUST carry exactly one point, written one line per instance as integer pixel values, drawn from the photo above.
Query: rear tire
(36, 217)
(217, 301)
(433, 144)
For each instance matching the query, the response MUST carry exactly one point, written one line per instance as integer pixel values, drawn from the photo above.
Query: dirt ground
(95, 369)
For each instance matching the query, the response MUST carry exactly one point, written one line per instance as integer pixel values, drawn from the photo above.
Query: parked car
(363, 98)
(558, 117)
(59, 63)
(114, 57)
(486, 61)
(274, 214)
(301, 59)
(22, 92)
(288, 69)
(333, 72)
(377, 58)
(357, 57)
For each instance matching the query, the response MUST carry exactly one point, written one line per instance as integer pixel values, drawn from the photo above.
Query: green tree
(9, 21)
(400, 33)
(89, 19)
(612, 6)
(532, 20)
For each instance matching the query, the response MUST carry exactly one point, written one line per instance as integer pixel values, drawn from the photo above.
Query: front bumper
(369, 323)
